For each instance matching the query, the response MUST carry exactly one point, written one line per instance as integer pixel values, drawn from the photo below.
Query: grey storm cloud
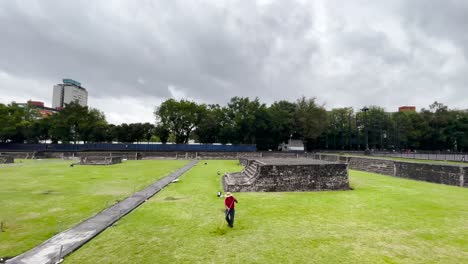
(131, 55)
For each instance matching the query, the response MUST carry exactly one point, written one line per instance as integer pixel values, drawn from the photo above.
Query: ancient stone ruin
(287, 175)
(99, 160)
(450, 174)
(6, 159)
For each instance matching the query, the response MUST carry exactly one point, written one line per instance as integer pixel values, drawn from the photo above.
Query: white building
(293, 145)
(67, 92)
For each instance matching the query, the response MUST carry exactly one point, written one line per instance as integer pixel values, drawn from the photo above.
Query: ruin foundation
(99, 160)
(287, 175)
(6, 159)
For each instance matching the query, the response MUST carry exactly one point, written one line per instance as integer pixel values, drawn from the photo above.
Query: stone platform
(99, 160)
(6, 159)
(287, 175)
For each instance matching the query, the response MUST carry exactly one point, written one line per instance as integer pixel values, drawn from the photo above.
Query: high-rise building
(67, 92)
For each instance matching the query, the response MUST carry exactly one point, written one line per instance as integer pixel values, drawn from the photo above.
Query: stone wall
(6, 159)
(99, 160)
(386, 167)
(20, 155)
(284, 178)
(260, 177)
(445, 174)
(465, 179)
(282, 155)
(450, 174)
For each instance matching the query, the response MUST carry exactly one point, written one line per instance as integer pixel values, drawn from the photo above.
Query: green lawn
(38, 198)
(383, 220)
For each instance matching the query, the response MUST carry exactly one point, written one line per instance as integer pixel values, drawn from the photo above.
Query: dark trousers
(230, 216)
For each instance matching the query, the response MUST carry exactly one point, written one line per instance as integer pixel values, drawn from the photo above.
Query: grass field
(39, 198)
(383, 220)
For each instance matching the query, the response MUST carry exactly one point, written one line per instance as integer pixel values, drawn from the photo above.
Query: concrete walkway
(62, 244)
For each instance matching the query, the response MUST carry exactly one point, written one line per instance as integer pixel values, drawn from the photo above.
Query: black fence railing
(128, 147)
(423, 155)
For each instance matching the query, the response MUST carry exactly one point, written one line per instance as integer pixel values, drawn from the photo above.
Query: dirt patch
(170, 198)
(47, 192)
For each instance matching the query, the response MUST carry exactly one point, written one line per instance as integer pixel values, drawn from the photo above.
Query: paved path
(64, 243)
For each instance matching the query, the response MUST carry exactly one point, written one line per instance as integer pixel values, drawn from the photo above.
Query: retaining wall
(287, 176)
(6, 159)
(450, 174)
(283, 178)
(99, 160)
(19, 155)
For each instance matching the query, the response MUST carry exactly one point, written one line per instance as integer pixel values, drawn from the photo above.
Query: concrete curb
(64, 243)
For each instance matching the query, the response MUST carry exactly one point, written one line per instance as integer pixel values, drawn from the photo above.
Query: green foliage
(179, 117)
(438, 128)
(210, 125)
(310, 118)
(78, 123)
(162, 132)
(282, 121)
(135, 132)
(16, 122)
(246, 121)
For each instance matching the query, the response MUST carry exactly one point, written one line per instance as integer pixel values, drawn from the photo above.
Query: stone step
(251, 170)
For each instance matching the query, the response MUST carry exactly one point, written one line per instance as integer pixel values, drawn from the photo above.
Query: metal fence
(423, 155)
(128, 147)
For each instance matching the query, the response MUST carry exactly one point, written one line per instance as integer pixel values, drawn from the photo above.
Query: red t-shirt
(229, 202)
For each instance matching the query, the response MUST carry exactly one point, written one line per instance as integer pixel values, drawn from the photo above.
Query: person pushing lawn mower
(229, 204)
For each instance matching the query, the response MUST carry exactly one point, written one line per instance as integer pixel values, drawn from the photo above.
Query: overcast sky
(131, 55)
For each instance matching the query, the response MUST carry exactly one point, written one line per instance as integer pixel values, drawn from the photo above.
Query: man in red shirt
(229, 204)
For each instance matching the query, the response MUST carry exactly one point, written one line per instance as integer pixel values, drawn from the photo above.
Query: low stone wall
(244, 162)
(99, 160)
(283, 155)
(269, 176)
(20, 155)
(6, 159)
(286, 178)
(450, 174)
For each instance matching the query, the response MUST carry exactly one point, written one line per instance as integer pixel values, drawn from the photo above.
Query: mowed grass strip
(383, 220)
(41, 198)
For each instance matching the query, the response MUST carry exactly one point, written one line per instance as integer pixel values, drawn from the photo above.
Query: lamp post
(367, 151)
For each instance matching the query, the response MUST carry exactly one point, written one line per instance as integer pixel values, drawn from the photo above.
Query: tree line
(73, 124)
(248, 121)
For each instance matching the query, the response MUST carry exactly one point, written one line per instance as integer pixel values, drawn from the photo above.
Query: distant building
(39, 106)
(292, 145)
(67, 92)
(407, 109)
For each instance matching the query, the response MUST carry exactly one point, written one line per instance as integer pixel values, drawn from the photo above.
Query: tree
(338, 132)
(78, 123)
(39, 130)
(282, 125)
(180, 117)
(16, 122)
(311, 121)
(148, 131)
(162, 132)
(242, 116)
(210, 124)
